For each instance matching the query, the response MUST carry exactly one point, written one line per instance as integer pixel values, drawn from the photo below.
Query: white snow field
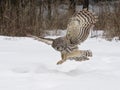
(26, 64)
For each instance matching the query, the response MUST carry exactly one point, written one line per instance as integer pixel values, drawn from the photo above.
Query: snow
(26, 64)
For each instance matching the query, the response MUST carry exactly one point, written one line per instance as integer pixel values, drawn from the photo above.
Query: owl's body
(63, 45)
(78, 29)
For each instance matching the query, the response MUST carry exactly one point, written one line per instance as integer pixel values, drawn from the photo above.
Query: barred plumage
(79, 26)
(78, 29)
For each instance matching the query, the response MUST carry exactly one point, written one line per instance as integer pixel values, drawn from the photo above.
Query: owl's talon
(60, 62)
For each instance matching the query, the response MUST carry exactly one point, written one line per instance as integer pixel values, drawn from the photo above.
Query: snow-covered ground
(26, 64)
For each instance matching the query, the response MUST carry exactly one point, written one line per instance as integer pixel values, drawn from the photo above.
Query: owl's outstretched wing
(79, 25)
(48, 41)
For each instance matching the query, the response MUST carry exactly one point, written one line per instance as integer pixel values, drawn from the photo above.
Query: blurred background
(38, 17)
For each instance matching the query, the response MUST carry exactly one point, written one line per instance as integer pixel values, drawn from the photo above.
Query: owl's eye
(57, 48)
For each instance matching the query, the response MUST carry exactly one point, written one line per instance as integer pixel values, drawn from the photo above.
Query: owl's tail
(48, 41)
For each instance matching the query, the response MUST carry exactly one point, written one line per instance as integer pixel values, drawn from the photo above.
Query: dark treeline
(109, 18)
(19, 17)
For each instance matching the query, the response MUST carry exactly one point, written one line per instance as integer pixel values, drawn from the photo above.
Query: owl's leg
(83, 56)
(66, 56)
(75, 53)
(80, 55)
(63, 56)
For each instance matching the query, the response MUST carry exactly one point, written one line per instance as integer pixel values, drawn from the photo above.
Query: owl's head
(59, 44)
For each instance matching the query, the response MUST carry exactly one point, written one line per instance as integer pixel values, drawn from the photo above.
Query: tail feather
(48, 41)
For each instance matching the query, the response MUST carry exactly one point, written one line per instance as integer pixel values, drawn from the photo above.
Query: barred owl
(78, 29)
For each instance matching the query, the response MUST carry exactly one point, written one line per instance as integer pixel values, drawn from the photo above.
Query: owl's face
(59, 44)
